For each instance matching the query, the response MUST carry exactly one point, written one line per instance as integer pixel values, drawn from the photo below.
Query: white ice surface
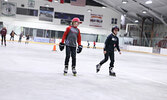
(35, 72)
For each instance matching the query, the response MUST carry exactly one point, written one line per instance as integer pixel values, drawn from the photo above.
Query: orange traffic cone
(54, 47)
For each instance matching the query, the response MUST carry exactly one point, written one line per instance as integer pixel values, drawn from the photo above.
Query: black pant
(19, 39)
(3, 39)
(12, 38)
(94, 46)
(70, 51)
(111, 55)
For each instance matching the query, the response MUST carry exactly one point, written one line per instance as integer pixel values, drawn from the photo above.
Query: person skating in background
(27, 38)
(88, 46)
(20, 36)
(94, 45)
(12, 35)
(111, 42)
(71, 37)
(3, 35)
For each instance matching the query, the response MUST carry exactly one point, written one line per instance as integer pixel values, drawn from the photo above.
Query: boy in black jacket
(111, 42)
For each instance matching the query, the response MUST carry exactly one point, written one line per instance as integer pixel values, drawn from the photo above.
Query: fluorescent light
(136, 21)
(56, 0)
(124, 1)
(148, 2)
(47, 5)
(144, 12)
(6, 0)
(89, 10)
(103, 7)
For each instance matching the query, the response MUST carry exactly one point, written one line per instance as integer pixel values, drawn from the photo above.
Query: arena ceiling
(138, 9)
(135, 9)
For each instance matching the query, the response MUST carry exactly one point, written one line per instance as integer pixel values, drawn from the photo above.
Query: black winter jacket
(111, 42)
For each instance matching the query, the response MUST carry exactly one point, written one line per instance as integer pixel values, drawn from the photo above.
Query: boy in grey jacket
(71, 37)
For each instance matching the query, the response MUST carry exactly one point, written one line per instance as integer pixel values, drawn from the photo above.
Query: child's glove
(79, 49)
(61, 46)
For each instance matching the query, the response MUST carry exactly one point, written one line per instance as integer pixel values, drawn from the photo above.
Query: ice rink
(35, 72)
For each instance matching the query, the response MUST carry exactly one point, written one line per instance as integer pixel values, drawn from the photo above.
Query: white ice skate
(65, 71)
(74, 71)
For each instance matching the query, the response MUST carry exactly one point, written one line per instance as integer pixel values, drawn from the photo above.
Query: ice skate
(65, 71)
(74, 74)
(74, 71)
(98, 68)
(65, 74)
(112, 73)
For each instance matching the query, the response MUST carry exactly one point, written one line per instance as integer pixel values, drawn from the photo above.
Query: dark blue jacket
(111, 42)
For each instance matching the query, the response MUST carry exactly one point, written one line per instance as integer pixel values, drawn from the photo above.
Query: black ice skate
(98, 68)
(74, 71)
(112, 73)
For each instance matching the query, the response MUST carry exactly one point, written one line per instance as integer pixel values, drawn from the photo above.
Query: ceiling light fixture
(47, 5)
(103, 7)
(124, 1)
(148, 2)
(56, 0)
(89, 10)
(144, 11)
(136, 21)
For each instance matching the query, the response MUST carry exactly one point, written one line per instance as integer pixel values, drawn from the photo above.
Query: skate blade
(113, 75)
(65, 74)
(97, 70)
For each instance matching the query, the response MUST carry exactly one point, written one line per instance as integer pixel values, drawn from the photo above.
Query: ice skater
(20, 36)
(94, 45)
(3, 35)
(71, 37)
(111, 42)
(27, 38)
(12, 35)
(88, 44)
